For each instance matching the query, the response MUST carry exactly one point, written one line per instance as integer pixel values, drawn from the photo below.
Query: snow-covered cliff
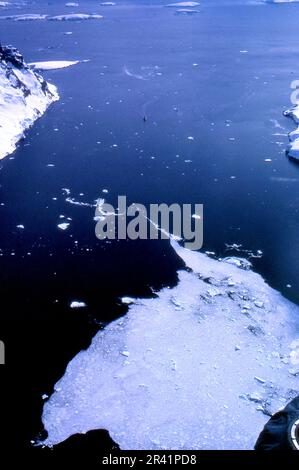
(24, 97)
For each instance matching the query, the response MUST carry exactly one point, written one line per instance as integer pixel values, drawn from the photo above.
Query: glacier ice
(24, 96)
(200, 366)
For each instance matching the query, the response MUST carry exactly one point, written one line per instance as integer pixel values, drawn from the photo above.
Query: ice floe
(77, 304)
(63, 226)
(25, 17)
(75, 17)
(183, 4)
(69, 17)
(24, 97)
(201, 366)
(186, 11)
(53, 64)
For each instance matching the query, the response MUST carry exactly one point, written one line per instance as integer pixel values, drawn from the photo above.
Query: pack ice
(200, 366)
(24, 96)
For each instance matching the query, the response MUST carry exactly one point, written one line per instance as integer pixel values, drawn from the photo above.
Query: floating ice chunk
(24, 97)
(180, 387)
(53, 64)
(26, 17)
(77, 304)
(108, 4)
(66, 191)
(75, 17)
(72, 4)
(186, 11)
(20, 226)
(63, 226)
(183, 4)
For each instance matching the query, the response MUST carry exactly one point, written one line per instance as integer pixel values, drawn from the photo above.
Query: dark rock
(12, 55)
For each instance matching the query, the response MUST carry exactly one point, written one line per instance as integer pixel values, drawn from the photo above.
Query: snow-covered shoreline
(201, 366)
(24, 97)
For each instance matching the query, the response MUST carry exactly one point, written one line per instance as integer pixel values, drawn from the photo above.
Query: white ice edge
(198, 367)
(22, 101)
(293, 147)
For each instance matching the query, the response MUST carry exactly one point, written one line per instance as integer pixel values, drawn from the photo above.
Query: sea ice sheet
(201, 366)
